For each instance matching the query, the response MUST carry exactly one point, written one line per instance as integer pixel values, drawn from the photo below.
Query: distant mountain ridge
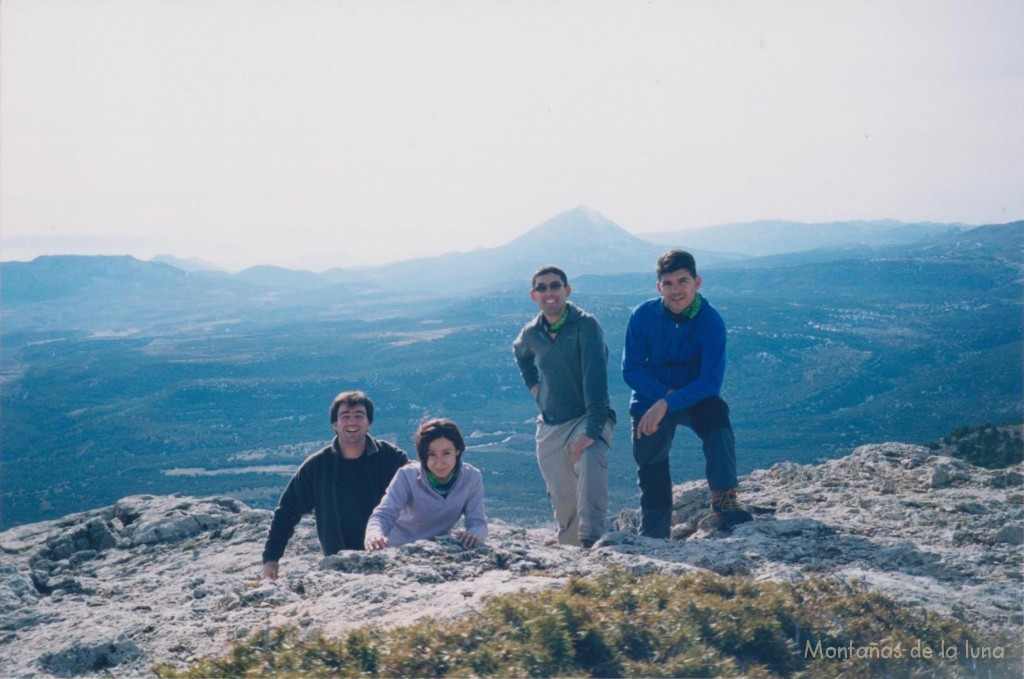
(51, 276)
(1002, 240)
(581, 241)
(190, 264)
(773, 237)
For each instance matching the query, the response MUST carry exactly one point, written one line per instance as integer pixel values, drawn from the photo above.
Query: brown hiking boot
(727, 508)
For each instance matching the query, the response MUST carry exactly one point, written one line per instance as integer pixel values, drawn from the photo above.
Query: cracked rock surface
(170, 579)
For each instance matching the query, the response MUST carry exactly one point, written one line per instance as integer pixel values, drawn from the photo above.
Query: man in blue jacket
(674, 361)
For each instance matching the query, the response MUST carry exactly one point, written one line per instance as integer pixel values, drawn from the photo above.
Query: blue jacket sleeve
(635, 367)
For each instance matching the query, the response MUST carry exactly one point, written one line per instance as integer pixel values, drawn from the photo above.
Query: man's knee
(650, 450)
(709, 415)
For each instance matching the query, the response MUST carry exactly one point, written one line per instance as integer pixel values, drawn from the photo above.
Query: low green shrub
(992, 447)
(619, 624)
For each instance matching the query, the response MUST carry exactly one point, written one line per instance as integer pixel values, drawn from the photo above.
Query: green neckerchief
(687, 314)
(555, 327)
(444, 488)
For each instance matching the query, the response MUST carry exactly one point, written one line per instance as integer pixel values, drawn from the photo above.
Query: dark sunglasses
(543, 287)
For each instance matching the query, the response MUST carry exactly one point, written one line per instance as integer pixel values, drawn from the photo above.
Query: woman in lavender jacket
(427, 498)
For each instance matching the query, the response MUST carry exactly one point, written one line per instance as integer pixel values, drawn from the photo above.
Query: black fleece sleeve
(296, 501)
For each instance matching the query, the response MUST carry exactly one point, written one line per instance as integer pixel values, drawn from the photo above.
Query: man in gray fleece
(564, 363)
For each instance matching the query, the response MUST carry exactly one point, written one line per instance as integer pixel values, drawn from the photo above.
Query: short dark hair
(674, 260)
(548, 269)
(432, 430)
(351, 399)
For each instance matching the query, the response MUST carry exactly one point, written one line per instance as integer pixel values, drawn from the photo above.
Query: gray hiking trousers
(578, 490)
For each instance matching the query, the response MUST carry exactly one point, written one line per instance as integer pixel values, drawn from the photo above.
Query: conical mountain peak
(578, 226)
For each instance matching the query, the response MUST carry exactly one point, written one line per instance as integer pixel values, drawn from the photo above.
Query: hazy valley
(123, 377)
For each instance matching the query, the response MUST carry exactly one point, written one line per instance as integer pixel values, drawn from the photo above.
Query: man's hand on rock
(270, 570)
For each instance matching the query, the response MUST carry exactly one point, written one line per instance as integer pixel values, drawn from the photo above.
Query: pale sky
(335, 133)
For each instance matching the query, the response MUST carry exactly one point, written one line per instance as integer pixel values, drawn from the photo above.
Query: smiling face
(351, 425)
(678, 289)
(550, 294)
(442, 455)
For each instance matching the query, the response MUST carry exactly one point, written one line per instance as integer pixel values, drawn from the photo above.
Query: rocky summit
(170, 579)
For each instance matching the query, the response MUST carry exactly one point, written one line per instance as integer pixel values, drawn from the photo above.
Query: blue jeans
(709, 419)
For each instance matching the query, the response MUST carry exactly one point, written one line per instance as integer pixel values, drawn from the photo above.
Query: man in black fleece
(341, 484)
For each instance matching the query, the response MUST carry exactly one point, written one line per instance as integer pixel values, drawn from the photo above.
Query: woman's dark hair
(432, 430)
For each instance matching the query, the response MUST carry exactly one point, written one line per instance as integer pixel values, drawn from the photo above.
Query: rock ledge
(171, 579)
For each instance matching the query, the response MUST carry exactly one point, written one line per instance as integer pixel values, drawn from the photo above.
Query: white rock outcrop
(170, 579)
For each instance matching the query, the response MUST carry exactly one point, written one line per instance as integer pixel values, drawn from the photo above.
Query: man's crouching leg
(655, 499)
(710, 420)
(654, 477)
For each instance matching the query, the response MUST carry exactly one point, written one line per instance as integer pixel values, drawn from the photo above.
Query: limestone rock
(83, 658)
(170, 579)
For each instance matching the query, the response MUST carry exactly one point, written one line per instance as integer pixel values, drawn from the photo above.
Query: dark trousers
(709, 419)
